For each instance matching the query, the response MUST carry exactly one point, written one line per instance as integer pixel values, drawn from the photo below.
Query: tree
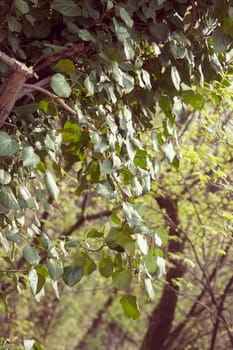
(85, 87)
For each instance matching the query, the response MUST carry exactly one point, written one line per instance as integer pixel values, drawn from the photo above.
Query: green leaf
(142, 244)
(130, 307)
(33, 279)
(8, 199)
(175, 77)
(22, 6)
(197, 101)
(114, 217)
(86, 263)
(140, 159)
(6, 310)
(72, 275)
(89, 85)
(30, 158)
(42, 271)
(126, 17)
(13, 235)
(120, 31)
(161, 266)
(122, 279)
(132, 216)
(160, 31)
(66, 66)
(221, 41)
(31, 344)
(106, 167)
(4, 243)
(106, 267)
(31, 255)
(146, 79)
(5, 177)
(55, 269)
(149, 288)
(86, 36)
(51, 186)
(66, 7)
(94, 172)
(178, 51)
(8, 145)
(105, 189)
(14, 25)
(94, 234)
(60, 85)
(112, 239)
(40, 283)
(137, 187)
(150, 262)
(169, 151)
(100, 145)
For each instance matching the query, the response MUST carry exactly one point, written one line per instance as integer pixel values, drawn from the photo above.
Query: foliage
(110, 81)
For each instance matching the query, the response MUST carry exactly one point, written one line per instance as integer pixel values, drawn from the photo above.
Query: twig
(219, 316)
(42, 83)
(59, 100)
(82, 219)
(73, 51)
(13, 271)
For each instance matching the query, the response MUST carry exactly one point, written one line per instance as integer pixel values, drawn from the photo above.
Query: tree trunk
(162, 316)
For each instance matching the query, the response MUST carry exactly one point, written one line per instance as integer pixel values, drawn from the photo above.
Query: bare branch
(90, 217)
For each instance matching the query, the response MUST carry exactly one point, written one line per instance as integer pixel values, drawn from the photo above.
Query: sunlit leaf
(130, 307)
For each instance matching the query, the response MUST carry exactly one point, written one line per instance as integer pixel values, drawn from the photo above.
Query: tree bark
(162, 316)
(13, 84)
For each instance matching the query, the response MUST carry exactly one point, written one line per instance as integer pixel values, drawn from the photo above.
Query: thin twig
(59, 100)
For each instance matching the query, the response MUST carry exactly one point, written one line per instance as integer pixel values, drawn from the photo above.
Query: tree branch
(13, 84)
(72, 52)
(90, 217)
(59, 100)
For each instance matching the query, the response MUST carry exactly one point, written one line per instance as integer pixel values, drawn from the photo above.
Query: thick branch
(17, 66)
(9, 90)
